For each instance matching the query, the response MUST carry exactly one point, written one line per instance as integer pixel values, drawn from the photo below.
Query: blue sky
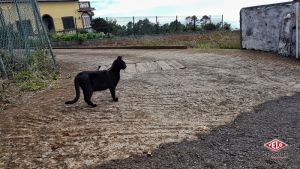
(128, 8)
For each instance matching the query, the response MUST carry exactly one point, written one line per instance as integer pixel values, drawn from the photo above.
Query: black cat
(91, 81)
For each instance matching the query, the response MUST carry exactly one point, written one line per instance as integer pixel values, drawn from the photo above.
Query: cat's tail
(77, 88)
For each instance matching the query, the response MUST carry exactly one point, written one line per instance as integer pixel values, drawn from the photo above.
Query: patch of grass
(155, 42)
(230, 45)
(28, 81)
(212, 40)
(3, 97)
(37, 75)
(81, 35)
(207, 46)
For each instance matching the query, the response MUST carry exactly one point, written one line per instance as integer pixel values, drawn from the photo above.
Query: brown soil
(155, 106)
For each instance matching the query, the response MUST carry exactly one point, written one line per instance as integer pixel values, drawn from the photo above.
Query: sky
(128, 8)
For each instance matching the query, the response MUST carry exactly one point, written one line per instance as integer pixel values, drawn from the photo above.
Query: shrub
(28, 81)
(37, 75)
(68, 36)
(101, 25)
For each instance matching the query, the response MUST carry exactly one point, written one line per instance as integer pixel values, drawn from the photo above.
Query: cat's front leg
(113, 94)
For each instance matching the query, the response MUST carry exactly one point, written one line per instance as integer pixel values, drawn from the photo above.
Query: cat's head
(119, 63)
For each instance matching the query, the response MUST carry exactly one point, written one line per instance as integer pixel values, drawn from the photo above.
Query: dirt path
(236, 145)
(155, 106)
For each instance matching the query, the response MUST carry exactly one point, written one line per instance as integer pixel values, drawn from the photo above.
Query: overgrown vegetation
(145, 27)
(80, 35)
(35, 75)
(216, 40)
(195, 33)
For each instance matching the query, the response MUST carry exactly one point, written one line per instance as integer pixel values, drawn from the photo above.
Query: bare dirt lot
(164, 96)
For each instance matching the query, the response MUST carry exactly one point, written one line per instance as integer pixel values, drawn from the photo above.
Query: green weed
(37, 75)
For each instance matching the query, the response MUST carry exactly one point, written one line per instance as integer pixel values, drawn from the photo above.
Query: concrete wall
(270, 28)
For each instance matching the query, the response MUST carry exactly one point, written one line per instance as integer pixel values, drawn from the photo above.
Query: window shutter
(68, 22)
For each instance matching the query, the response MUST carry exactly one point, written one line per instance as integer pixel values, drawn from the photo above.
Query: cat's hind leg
(88, 92)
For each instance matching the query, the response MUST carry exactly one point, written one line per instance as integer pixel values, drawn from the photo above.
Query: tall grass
(217, 40)
(72, 35)
(36, 75)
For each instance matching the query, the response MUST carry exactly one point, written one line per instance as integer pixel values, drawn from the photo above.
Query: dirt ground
(236, 145)
(165, 96)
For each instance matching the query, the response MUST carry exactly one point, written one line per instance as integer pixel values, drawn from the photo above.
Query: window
(68, 22)
(86, 19)
(84, 4)
(25, 27)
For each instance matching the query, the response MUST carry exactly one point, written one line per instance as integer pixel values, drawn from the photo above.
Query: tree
(211, 26)
(192, 22)
(100, 25)
(129, 28)
(108, 26)
(157, 28)
(205, 20)
(227, 26)
(164, 28)
(176, 26)
(143, 27)
(115, 28)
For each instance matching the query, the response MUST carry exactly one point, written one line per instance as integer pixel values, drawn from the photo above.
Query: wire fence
(139, 25)
(22, 34)
(166, 24)
(161, 20)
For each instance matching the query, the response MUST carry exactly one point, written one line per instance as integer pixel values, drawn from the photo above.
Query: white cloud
(136, 7)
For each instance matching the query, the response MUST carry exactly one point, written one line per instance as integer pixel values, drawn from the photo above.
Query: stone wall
(270, 28)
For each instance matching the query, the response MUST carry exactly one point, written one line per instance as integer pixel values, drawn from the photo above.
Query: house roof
(86, 9)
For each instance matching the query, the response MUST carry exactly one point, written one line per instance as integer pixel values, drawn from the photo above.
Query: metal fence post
(9, 38)
(24, 34)
(133, 27)
(157, 26)
(222, 22)
(176, 29)
(45, 32)
(297, 30)
(76, 28)
(2, 68)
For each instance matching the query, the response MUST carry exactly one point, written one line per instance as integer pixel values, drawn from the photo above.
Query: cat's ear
(119, 57)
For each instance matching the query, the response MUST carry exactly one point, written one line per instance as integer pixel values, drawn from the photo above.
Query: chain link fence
(22, 34)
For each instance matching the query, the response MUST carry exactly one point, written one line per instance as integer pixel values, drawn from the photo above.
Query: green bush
(82, 31)
(80, 35)
(37, 75)
(28, 81)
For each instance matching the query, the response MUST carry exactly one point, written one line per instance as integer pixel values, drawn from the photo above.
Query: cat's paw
(94, 105)
(116, 99)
